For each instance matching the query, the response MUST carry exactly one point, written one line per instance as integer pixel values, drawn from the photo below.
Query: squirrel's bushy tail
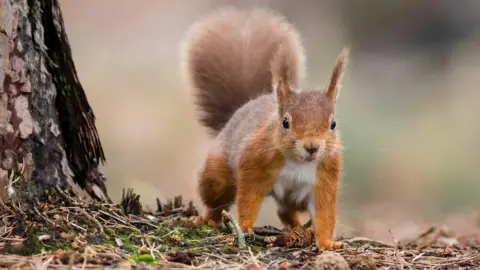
(227, 58)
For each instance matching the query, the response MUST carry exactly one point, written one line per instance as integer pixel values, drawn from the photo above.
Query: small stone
(363, 262)
(119, 242)
(44, 237)
(143, 250)
(330, 260)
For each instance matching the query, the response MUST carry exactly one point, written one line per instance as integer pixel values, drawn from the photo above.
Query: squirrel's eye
(286, 124)
(333, 124)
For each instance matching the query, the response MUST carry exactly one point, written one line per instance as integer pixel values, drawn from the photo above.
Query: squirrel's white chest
(295, 181)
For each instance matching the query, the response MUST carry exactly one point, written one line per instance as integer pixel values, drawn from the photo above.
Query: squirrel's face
(308, 127)
(306, 118)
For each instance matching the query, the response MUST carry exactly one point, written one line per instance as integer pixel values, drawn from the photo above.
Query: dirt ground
(76, 235)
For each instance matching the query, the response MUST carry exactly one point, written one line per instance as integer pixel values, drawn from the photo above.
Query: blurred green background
(408, 111)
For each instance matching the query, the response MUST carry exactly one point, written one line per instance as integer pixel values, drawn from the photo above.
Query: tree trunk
(48, 138)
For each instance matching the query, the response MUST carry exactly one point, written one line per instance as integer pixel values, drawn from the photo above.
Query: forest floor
(78, 235)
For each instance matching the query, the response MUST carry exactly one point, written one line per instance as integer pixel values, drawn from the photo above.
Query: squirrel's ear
(285, 67)
(336, 80)
(284, 93)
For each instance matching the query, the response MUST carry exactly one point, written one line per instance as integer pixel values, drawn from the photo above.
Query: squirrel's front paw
(249, 232)
(247, 228)
(199, 221)
(195, 221)
(329, 245)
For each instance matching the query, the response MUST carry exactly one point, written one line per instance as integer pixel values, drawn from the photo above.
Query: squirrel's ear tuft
(284, 94)
(287, 64)
(284, 67)
(336, 80)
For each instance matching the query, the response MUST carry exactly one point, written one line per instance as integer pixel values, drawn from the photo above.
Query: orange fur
(256, 173)
(247, 87)
(325, 190)
(216, 188)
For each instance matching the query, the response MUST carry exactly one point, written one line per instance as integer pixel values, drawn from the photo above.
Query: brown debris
(272, 248)
(176, 207)
(363, 262)
(296, 237)
(131, 203)
(181, 257)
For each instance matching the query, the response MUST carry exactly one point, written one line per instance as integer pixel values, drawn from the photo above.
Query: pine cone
(297, 237)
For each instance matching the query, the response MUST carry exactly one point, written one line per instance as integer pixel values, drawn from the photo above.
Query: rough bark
(48, 136)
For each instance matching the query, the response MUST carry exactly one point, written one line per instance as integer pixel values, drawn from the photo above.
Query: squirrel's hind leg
(289, 217)
(216, 187)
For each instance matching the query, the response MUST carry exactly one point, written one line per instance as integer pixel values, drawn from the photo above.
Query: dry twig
(232, 224)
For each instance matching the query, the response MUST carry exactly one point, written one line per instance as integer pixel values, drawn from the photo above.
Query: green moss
(256, 249)
(129, 245)
(31, 246)
(162, 230)
(108, 232)
(134, 240)
(196, 233)
(126, 238)
(144, 258)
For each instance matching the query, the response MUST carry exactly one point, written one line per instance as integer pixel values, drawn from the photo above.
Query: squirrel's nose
(311, 149)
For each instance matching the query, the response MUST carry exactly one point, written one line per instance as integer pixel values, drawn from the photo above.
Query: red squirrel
(271, 138)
